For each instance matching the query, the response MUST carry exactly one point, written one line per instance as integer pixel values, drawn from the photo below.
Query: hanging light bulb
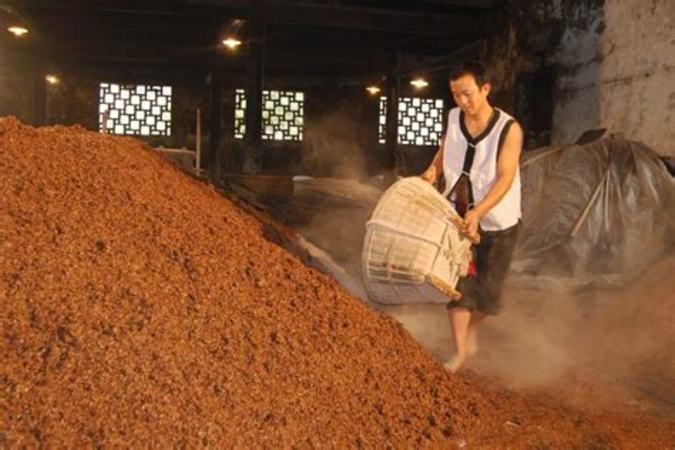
(52, 79)
(233, 34)
(17, 30)
(231, 42)
(373, 90)
(419, 83)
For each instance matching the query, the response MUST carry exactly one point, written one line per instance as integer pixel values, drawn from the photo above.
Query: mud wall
(617, 73)
(613, 64)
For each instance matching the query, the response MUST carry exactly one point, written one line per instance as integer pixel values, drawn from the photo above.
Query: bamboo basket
(413, 251)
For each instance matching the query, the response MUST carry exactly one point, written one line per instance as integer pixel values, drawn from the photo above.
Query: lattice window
(143, 110)
(282, 115)
(239, 113)
(382, 124)
(420, 121)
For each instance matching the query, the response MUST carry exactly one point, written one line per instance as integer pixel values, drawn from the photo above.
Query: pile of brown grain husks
(139, 307)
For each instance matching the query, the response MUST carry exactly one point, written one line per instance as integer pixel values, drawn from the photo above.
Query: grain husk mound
(141, 308)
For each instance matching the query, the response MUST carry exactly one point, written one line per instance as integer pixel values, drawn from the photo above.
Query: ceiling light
(419, 83)
(373, 90)
(17, 30)
(52, 79)
(231, 43)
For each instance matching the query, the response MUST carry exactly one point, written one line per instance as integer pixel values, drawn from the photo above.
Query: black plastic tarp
(603, 209)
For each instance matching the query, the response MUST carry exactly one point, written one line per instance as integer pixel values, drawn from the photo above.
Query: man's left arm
(507, 166)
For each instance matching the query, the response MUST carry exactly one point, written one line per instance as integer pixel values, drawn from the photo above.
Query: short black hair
(476, 68)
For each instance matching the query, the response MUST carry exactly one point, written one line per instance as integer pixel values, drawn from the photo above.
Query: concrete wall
(617, 70)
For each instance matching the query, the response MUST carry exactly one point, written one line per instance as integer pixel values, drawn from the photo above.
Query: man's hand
(470, 228)
(429, 175)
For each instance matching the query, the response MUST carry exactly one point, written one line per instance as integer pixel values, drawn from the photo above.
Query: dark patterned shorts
(493, 255)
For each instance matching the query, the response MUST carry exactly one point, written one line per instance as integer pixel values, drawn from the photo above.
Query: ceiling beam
(465, 27)
(232, 7)
(452, 59)
(286, 58)
(480, 4)
(390, 20)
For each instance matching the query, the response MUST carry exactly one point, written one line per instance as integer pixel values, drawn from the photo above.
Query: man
(479, 158)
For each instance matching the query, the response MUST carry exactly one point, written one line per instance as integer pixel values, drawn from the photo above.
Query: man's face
(468, 95)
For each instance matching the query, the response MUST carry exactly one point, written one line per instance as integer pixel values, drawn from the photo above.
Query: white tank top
(483, 173)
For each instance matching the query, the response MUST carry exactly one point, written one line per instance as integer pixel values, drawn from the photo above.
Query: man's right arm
(435, 168)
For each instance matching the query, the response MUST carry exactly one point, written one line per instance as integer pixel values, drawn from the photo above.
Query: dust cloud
(332, 146)
(604, 348)
(598, 349)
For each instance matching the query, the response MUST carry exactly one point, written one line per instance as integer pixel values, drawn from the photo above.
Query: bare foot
(454, 363)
